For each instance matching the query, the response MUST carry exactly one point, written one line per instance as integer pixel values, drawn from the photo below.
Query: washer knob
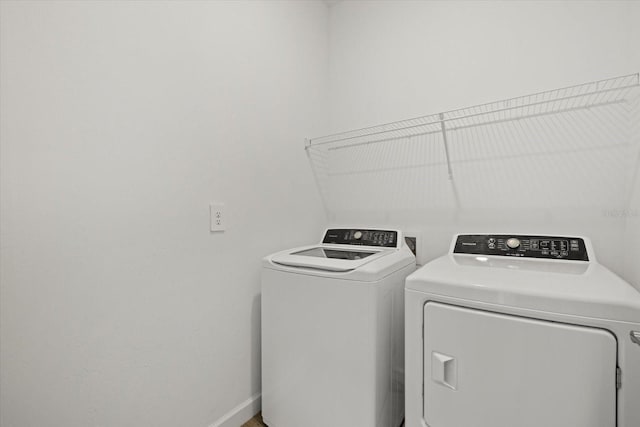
(513, 243)
(357, 235)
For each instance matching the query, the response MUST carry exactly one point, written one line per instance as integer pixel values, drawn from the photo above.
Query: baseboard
(241, 413)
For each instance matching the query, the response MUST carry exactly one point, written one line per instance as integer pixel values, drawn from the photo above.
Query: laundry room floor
(255, 422)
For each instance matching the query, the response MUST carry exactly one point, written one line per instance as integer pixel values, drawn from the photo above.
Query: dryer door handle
(444, 370)
(635, 337)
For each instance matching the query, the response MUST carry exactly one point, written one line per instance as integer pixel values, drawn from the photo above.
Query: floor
(255, 422)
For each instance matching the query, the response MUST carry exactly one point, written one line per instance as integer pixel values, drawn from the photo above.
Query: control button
(564, 253)
(513, 243)
(492, 241)
(555, 253)
(545, 252)
(492, 246)
(357, 235)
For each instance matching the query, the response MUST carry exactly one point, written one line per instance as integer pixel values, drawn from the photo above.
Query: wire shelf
(569, 139)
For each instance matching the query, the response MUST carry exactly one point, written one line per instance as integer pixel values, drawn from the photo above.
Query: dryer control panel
(546, 247)
(342, 236)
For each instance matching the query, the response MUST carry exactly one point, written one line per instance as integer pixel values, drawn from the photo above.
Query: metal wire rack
(577, 140)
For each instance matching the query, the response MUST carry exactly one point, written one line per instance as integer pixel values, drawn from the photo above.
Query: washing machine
(332, 331)
(521, 331)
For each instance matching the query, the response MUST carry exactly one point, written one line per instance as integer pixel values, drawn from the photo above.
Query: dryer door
(484, 369)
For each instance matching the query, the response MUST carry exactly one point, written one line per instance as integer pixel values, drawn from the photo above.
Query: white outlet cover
(217, 217)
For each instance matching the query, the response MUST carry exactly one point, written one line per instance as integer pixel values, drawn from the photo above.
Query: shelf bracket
(446, 145)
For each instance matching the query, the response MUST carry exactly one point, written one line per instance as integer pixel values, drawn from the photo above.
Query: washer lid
(328, 257)
(360, 263)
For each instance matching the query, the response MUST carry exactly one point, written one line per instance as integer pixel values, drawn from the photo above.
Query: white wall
(631, 270)
(632, 266)
(121, 122)
(392, 60)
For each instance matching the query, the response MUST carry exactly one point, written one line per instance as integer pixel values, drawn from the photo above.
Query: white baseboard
(241, 413)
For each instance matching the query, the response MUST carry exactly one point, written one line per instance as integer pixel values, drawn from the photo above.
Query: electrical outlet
(217, 217)
(411, 241)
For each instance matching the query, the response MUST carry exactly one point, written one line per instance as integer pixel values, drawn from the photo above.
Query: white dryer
(521, 331)
(332, 331)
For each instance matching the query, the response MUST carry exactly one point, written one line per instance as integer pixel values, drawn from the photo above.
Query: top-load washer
(521, 331)
(332, 331)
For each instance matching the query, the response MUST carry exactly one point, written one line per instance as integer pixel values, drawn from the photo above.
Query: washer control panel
(547, 247)
(342, 236)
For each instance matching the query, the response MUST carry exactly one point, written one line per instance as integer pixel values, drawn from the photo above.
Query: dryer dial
(513, 243)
